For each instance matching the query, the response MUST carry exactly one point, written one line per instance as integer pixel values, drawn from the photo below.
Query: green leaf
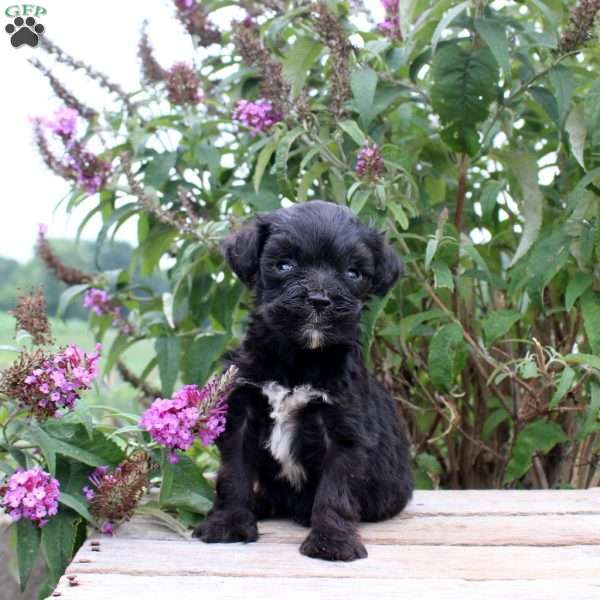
(546, 99)
(577, 286)
(58, 542)
(298, 62)
(184, 486)
(564, 385)
(117, 217)
(308, 178)
(28, 543)
(493, 421)
(262, 161)
(538, 437)
(445, 21)
(46, 444)
(68, 296)
(498, 322)
(354, 131)
(70, 439)
(200, 357)
(494, 35)
(168, 352)
(563, 84)
(575, 127)
(157, 171)
(442, 276)
(489, 195)
(78, 505)
(443, 355)
(283, 152)
(525, 169)
(369, 320)
(464, 85)
(590, 308)
(591, 423)
(364, 83)
(399, 215)
(584, 359)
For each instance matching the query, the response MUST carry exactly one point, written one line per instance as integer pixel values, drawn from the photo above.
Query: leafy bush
(467, 131)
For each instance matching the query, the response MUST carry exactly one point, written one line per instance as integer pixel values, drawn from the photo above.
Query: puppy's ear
(242, 250)
(388, 266)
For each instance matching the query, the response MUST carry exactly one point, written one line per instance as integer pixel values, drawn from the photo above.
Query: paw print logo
(24, 32)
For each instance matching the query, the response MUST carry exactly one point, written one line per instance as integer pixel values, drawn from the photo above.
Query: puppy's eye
(284, 266)
(353, 274)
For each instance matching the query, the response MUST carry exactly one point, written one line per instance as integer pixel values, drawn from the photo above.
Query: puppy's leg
(335, 510)
(232, 518)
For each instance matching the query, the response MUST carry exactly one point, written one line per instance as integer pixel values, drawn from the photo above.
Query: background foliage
(485, 115)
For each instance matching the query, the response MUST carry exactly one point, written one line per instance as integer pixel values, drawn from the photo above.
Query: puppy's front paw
(332, 545)
(228, 527)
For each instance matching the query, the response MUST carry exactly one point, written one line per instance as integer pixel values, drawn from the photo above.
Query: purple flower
(259, 116)
(63, 122)
(89, 170)
(98, 301)
(184, 4)
(183, 85)
(46, 383)
(390, 27)
(31, 494)
(192, 413)
(369, 162)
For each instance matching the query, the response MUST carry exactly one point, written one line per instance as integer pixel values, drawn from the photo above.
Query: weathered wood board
(519, 545)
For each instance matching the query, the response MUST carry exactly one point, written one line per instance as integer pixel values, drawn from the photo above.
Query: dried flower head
(30, 314)
(114, 496)
(67, 97)
(581, 26)
(152, 71)
(62, 272)
(333, 36)
(258, 116)
(195, 20)
(192, 413)
(369, 162)
(183, 85)
(44, 383)
(274, 87)
(30, 494)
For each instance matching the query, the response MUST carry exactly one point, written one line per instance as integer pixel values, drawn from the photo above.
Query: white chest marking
(285, 404)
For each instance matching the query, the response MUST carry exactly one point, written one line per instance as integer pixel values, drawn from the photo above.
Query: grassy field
(111, 390)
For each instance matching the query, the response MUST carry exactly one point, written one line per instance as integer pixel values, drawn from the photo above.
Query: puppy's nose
(319, 301)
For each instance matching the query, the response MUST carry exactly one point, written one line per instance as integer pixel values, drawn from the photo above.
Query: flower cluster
(391, 26)
(46, 383)
(369, 162)
(78, 164)
(192, 413)
(259, 116)
(31, 494)
(193, 17)
(581, 26)
(114, 496)
(62, 123)
(183, 85)
(98, 301)
(30, 314)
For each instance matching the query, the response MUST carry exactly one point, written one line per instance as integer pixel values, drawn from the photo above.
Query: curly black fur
(310, 433)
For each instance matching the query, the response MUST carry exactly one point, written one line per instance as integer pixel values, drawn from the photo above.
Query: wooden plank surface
(450, 544)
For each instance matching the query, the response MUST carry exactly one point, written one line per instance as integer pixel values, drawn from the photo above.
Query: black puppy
(310, 433)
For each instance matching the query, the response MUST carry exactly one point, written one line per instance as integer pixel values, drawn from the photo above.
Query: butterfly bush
(390, 27)
(98, 301)
(30, 494)
(46, 383)
(63, 122)
(192, 413)
(113, 496)
(183, 85)
(369, 162)
(258, 116)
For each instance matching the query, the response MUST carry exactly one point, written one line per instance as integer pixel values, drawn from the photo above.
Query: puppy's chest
(287, 405)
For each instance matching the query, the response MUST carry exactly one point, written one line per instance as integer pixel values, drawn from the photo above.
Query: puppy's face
(312, 266)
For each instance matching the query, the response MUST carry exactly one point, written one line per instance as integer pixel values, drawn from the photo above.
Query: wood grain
(522, 545)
